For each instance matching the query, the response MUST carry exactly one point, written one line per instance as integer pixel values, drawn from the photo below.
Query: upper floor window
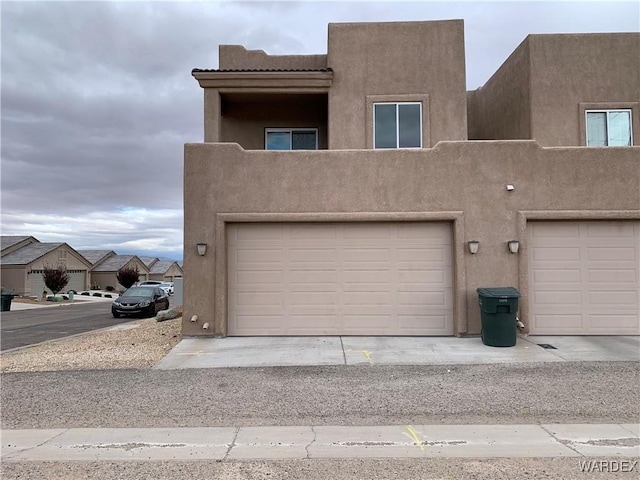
(609, 128)
(397, 125)
(291, 139)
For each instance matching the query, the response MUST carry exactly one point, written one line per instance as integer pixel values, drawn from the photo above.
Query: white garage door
(584, 278)
(340, 279)
(77, 282)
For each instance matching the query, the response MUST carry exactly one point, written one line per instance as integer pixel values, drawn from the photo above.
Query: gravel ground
(353, 469)
(138, 344)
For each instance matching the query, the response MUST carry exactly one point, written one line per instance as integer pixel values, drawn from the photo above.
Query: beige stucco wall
(543, 88)
(461, 182)
(394, 60)
(567, 70)
(501, 109)
(14, 278)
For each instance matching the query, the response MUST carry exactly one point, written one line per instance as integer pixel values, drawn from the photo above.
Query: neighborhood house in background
(336, 194)
(24, 258)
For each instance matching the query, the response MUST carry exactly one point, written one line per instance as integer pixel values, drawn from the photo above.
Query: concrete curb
(323, 442)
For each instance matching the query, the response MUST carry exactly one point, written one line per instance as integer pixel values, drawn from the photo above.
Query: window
(397, 125)
(291, 139)
(608, 128)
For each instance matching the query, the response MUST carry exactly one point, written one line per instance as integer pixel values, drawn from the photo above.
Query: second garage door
(340, 279)
(584, 278)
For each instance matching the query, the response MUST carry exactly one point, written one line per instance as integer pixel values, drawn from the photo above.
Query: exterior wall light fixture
(202, 249)
(473, 246)
(514, 246)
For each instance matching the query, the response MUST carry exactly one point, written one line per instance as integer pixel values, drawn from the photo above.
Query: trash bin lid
(499, 292)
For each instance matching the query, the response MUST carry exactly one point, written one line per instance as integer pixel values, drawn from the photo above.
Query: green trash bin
(498, 311)
(5, 306)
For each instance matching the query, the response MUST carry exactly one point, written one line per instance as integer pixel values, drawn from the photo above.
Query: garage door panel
(366, 255)
(592, 287)
(557, 232)
(568, 298)
(366, 298)
(422, 277)
(423, 299)
(259, 233)
(261, 321)
(417, 322)
(613, 298)
(258, 256)
(554, 254)
(352, 279)
(553, 275)
(252, 277)
(620, 276)
(366, 231)
(439, 234)
(366, 276)
(626, 323)
(570, 322)
(311, 255)
(607, 231)
(311, 232)
(300, 323)
(313, 298)
(259, 299)
(427, 255)
(607, 254)
(313, 276)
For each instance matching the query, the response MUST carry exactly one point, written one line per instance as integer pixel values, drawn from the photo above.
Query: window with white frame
(609, 128)
(291, 138)
(397, 125)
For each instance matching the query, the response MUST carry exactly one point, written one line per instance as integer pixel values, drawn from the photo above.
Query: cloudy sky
(98, 100)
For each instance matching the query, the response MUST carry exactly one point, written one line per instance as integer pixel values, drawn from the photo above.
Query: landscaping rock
(170, 314)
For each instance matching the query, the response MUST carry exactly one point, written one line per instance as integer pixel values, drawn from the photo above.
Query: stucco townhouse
(366, 192)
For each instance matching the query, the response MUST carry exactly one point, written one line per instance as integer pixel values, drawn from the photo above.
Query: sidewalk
(323, 442)
(15, 306)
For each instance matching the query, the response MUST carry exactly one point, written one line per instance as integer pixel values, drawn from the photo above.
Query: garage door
(77, 282)
(584, 278)
(340, 279)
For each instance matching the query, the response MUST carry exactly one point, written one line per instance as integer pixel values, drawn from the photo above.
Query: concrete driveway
(308, 351)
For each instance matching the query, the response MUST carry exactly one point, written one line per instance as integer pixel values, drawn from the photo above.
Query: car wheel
(152, 310)
(115, 314)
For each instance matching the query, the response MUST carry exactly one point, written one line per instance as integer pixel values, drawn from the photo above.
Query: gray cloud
(98, 100)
